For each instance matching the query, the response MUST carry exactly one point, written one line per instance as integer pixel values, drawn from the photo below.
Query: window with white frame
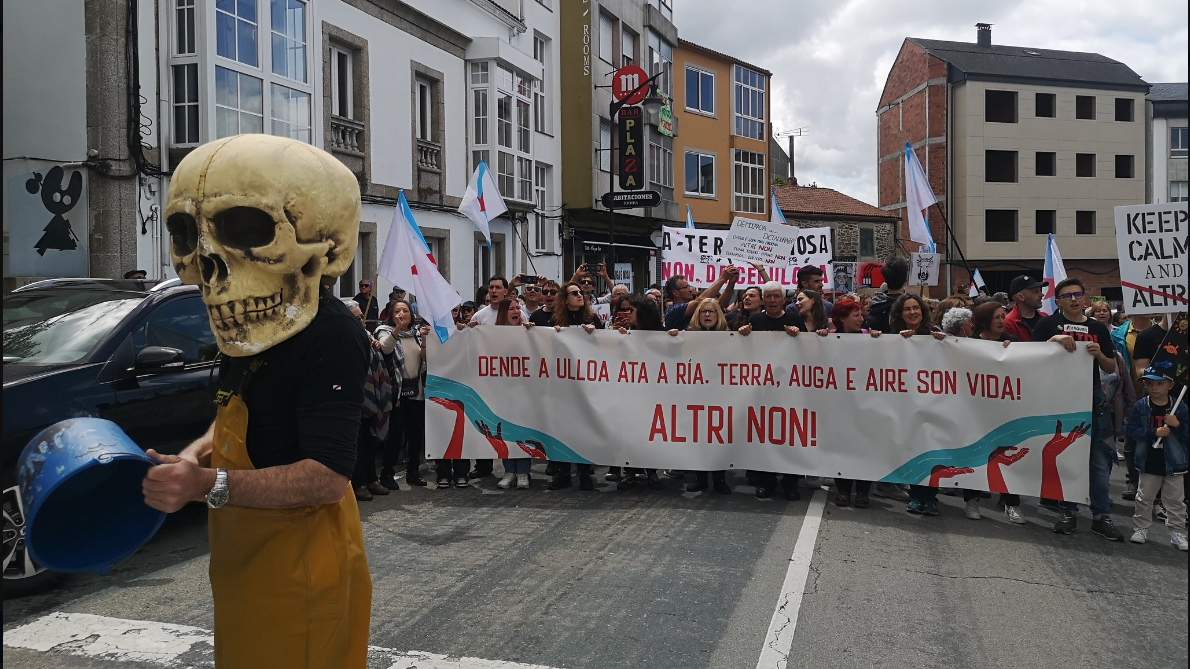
(504, 108)
(605, 145)
(342, 102)
(606, 27)
(514, 94)
(506, 174)
(543, 228)
(1177, 191)
(749, 103)
(700, 173)
(239, 103)
(749, 182)
(424, 122)
(541, 111)
(184, 27)
(661, 59)
(291, 113)
(627, 48)
(288, 27)
(1177, 142)
(524, 135)
(524, 179)
(185, 102)
(237, 31)
(661, 160)
(479, 156)
(700, 90)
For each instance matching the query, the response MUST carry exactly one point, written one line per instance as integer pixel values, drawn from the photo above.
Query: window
(999, 225)
(184, 28)
(504, 85)
(1125, 167)
(524, 138)
(999, 166)
(867, 243)
(289, 39)
(661, 59)
(185, 103)
(627, 48)
(479, 73)
(1177, 191)
(341, 88)
(605, 145)
(1084, 164)
(235, 31)
(541, 112)
(478, 157)
(1047, 105)
(999, 106)
(424, 121)
(239, 103)
(507, 173)
(606, 26)
(750, 184)
(1084, 107)
(483, 262)
(291, 113)
(1084, 222)
(543, 229)
(1177, 142)
(1047, 164)
(700, 173)
(665, 6)
(661, 161)
(700, 91)
(1124, 110)
(524, 181)
(1046, 222)
(182, 324)
(479, 110)
(749, 103)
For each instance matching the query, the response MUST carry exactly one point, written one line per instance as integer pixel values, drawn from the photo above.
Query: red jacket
(1016, 327)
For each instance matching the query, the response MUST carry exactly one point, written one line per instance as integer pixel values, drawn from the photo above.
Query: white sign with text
(1151, 242)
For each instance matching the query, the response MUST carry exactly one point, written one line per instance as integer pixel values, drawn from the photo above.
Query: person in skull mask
(258, 222)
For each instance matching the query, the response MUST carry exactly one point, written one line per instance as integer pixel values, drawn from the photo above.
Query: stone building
(860, 232)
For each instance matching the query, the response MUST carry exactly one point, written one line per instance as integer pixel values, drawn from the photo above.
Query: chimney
(983, 34)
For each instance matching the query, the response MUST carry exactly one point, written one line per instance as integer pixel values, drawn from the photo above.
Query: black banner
(632, 137)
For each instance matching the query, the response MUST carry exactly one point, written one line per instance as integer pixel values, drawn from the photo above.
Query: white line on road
(779, 641)
(163, 644)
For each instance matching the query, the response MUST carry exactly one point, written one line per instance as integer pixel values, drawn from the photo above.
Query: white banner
(923, 269)
(765, 242)
(960, 413)
(698, 255)
(1151, 242)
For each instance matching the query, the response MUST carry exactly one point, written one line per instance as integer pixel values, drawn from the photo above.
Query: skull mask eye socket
(183, 233)
(244, 228)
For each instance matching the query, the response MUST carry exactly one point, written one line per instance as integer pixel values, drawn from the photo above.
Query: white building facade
(1166, 117)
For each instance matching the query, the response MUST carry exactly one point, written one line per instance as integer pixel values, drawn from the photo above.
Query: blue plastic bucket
(80, 481)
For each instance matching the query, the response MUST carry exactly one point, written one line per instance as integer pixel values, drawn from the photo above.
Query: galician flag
(777, 216)
(482, 201)
(918, 197)
(689, 219)
(976, 284)
(1052, 274)
(408, 263)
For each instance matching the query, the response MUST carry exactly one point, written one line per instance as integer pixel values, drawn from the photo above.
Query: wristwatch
(218, 495)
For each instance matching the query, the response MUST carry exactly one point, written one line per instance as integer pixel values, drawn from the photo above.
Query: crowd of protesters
(1132, 402)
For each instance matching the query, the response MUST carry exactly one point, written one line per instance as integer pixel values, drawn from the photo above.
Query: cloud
(829, 59)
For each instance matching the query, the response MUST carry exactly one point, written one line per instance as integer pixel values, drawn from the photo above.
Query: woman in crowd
(573, 310)
(749, 305)
(624, 317)
(402, 341)
(516, 470)
(635, 313)
(910, 316)
(956, 322)
(1117, 395)
(709, 317)
(812, 310)
(1101, 311)
(378, 402)
(987, 323)
(848, 318)
(945, 306)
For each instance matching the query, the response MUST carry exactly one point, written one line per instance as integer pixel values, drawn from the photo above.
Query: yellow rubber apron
(291, 586)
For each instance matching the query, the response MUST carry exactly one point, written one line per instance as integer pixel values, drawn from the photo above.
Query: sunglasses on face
(365, 285)
(572, 293)
(586, 283)
(625, 310)
(1071, 296)
(531, 289)
(549, 292)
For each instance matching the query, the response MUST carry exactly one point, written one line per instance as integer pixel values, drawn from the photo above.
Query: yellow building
(721, 156)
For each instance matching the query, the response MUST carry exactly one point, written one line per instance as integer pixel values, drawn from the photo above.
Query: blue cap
(1154, 374)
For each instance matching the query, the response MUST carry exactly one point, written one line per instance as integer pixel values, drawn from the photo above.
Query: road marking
(163, 644)
(779, 641)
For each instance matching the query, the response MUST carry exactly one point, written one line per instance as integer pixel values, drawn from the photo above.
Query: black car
(139, 355)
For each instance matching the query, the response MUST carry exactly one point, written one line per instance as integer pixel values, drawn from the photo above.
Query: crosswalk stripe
(164, 644)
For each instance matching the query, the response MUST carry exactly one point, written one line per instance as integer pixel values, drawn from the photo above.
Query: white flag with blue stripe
(689, 219)
(408, 263)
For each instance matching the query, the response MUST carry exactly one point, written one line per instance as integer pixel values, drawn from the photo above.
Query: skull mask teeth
(255, 221)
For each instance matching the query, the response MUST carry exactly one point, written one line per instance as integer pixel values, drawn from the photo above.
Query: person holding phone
(574, 311)
(403, 343)
(532, 292)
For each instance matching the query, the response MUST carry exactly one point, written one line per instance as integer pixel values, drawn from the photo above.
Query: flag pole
(950, 237)
(375, 278)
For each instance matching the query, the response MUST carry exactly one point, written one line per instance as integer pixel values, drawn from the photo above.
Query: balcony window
(750, 185)
(289, 39)
(661, 59)
(291, 113)
(184, 28)
(185, 101)
(424, 120)
(236, 29)
(341, 83)
(239, 103)
(749, 103)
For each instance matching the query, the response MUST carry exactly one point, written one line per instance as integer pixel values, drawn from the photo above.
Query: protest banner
(765, 242)
(1151, 243)
(959, 413)
(698, 256)
(923, 269)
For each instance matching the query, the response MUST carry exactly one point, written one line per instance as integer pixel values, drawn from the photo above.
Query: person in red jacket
(1025, 293)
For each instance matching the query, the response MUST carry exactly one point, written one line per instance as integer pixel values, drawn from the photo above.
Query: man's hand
(791, 330)
(1094, 349)
(176, 481)
(1066, 341)
(746, 330)
(603, 274)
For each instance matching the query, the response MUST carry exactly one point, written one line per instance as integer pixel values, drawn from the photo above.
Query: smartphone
(528, 279)
(592, 267)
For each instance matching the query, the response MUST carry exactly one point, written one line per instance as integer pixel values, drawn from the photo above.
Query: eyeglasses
(365, 285)
(586, 283)
(709, 311)
(572, 293)
(549, 292)
(532, 289)
(625, 310)
(1071, 296)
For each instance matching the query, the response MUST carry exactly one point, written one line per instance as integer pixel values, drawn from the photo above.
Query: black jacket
(878, 311)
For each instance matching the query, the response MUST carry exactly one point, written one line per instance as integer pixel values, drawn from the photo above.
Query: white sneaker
(506, 482)
(972, 510)
(1139, 536)
(1014, 515)
(462, 482)
(1178, 539)
(522, 481)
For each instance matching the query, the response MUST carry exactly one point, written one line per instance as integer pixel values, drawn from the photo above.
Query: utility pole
(791, 134)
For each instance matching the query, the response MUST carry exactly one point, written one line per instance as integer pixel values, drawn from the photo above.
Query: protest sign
(1151, 242)
(765, 242)
(698, 256)
(923, 269)
(962, 413)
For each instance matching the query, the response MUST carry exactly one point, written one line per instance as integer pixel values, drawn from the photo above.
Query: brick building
(860, 232)
(1017, 143)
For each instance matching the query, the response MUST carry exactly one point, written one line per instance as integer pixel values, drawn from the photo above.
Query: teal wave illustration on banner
(476, 409)
(1012, 433)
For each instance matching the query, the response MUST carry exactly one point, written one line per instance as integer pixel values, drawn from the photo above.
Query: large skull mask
(255, 221)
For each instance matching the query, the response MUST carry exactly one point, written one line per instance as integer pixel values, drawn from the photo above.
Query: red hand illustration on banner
(944, 472)
(1051, 481)
(534, 448)
(454, 451)
(496, 440)
(1002, 457)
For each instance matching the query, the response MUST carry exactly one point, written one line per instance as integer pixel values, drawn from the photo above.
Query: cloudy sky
(829, 58)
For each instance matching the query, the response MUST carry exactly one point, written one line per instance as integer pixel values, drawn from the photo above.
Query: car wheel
(22, 576)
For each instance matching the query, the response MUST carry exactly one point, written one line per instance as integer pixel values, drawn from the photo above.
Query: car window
(181, 324)
(53, 329)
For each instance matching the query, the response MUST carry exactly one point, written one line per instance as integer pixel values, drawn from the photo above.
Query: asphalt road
(667, 580)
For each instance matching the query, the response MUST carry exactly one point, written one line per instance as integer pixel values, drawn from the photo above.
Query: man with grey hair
(616, 291)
